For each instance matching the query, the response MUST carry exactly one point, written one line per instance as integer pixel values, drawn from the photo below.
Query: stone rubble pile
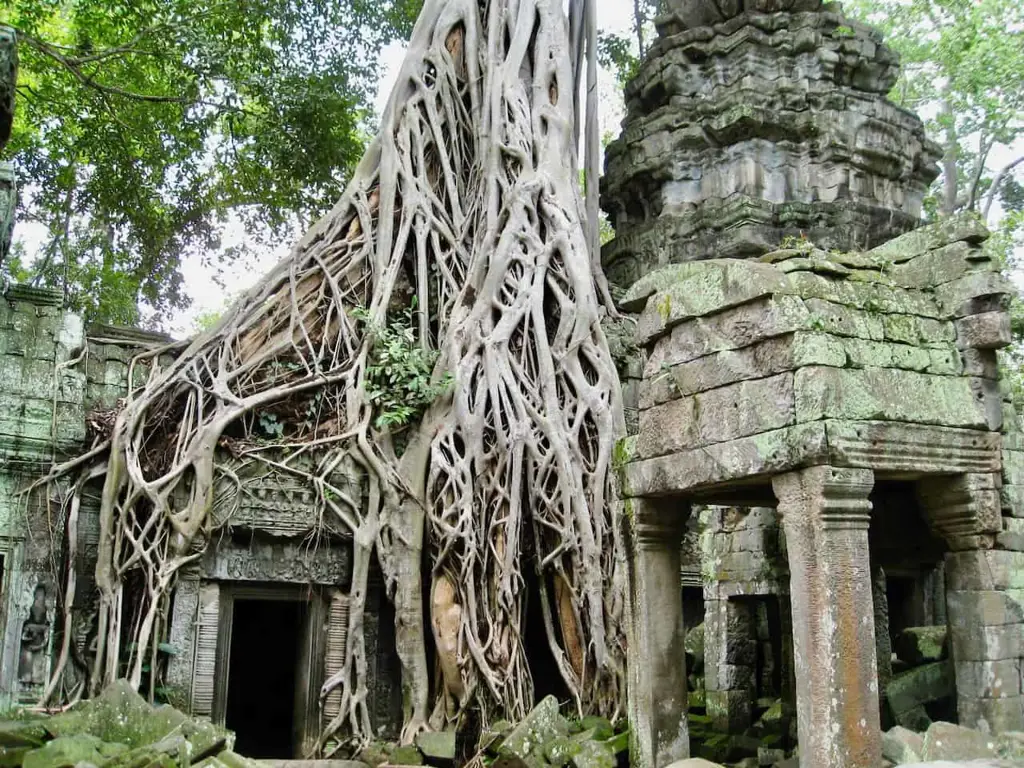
(923, 677)
(118, 729)
(543, 739)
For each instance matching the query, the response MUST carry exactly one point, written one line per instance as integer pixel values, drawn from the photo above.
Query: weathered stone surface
(990, 679)
(899, 447)
(901, 745)
(694, 645)
(886, 395)
(945, 741)
(991, 715)
(743, 409)
(406, 755)
(760, 455)
(69, 751)
(985, 570)
(919, 645)
(919, 686)
(990, 330)
(543, 724)
(728, 163)
(963, 228)
(437, 745)
(736, 329)
(686, 292)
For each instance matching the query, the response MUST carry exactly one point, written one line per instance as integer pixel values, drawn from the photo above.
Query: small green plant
(270, 426)
(844, 31)
(399, 376)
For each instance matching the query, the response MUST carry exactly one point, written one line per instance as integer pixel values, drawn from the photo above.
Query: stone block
(738, 328)
(991, 715)
(875, 354)
(901, 745)
(919, 686)
(990, 609)
(962, 228)
(730, 711)
(849, 322)
(983, 363)
(920, 645)
(706, 288)
(956, 298)
(990, 330)
(989, 679)
(946, 741)
(437, 745)
(743, 409)
(886, 395)
(767, 358)
(986, 643)
(935, 267)
(984, 570)
(544, 723)
(764, 454)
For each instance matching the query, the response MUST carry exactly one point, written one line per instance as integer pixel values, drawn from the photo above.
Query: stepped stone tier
(747, 126)
(842, 389)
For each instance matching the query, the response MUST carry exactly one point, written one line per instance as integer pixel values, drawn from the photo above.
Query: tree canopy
(142, 124)
(962, 62)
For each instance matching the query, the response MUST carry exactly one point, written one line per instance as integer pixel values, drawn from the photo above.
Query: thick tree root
(469, 203)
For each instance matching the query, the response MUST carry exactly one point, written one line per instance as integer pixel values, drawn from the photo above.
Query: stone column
(659, 734)
(826, 513)
(730, 650)
(182, 636)
(984, 600)
(986, 627)
(883, 643)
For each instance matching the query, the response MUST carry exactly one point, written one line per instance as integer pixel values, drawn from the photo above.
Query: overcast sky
(201, 280)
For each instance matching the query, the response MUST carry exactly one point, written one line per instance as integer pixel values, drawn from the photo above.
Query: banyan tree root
(467, 207)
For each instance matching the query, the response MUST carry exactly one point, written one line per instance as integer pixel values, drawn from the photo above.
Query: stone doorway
(268, 667)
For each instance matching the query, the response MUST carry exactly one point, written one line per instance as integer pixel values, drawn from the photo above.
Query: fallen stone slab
(902, 746)
(946, 741)
(437, 746)
(920, 645)
(544, 723)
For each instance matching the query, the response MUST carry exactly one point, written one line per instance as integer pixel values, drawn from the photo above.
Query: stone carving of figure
(35, 637)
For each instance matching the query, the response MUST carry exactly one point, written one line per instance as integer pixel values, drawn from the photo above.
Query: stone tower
(750, 122)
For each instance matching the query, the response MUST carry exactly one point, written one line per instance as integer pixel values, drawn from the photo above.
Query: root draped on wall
(466, 208)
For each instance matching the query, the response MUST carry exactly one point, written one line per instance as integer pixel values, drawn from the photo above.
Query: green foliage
(962, 63)
(399, 376)
(142, 126)
(622, 53)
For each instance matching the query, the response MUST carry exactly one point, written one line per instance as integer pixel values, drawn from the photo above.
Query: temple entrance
(265, 637)
(270, 667)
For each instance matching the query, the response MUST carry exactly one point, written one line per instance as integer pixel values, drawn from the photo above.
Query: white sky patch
(201, 280)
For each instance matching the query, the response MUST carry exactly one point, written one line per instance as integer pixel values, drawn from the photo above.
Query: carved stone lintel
(965, 510)
(831, 497)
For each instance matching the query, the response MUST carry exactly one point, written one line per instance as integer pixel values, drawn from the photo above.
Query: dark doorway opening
(265, 637)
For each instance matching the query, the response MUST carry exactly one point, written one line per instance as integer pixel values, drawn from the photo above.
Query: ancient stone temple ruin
(821, 430)
(254, 627)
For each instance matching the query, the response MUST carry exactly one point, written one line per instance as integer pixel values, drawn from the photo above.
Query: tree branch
(1005, 171)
